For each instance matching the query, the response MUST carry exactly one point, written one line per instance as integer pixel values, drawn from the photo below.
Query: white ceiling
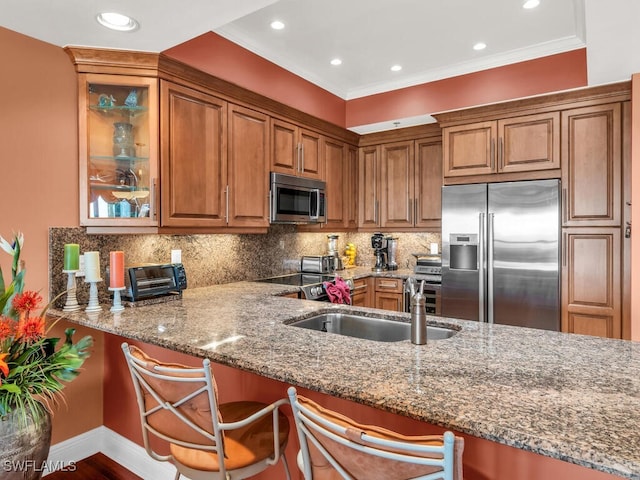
(431, 39)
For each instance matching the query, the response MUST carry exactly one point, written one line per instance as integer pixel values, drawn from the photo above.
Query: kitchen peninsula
(569, 397)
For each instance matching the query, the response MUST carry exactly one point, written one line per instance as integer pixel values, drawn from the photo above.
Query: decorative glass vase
(123, 140)
(24, 447)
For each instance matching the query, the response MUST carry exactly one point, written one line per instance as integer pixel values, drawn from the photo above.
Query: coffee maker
(379, 245)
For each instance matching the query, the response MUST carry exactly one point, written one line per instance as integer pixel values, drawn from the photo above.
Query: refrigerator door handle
(481, 269)
(490, 218)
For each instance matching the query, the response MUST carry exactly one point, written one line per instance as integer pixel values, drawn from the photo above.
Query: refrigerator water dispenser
(463, 252)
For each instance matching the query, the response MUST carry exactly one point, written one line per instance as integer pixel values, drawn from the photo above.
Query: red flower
(6, 328)
(31, 329)
(25, 302)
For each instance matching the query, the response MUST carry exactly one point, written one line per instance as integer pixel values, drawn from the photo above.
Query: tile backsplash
(223, 258)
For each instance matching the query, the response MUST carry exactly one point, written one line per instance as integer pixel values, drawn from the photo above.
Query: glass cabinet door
(118, 126)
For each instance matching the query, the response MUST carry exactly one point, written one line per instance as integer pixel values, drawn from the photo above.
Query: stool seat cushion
(242, 446)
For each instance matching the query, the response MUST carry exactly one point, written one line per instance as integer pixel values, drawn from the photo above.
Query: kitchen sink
(370, 328)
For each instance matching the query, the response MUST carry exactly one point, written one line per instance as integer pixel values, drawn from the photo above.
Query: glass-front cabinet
(118, 150)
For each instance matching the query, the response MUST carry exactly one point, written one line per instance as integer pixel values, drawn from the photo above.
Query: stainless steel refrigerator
(501, 253)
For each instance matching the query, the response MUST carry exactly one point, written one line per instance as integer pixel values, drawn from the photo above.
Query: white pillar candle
(92, 267)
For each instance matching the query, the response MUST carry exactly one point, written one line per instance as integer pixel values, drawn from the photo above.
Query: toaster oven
(153, 280)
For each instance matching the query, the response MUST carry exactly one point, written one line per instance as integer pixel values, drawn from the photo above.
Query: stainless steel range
(311, 284)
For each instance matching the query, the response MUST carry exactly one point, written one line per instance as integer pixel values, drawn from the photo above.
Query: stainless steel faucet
(418, 314)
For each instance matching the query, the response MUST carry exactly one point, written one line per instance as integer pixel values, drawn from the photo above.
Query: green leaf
(10, 387)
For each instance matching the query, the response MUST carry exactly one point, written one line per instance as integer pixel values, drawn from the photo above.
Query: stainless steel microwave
(296, 199)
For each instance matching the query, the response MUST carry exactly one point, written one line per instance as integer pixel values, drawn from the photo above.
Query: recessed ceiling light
(336, 61)
(528, 4)
(396, 68)
(480, 46)
(277, 25)
(117, 21)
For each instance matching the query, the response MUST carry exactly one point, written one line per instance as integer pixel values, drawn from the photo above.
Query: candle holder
(71, 304)
(117, 302)
(93, 306)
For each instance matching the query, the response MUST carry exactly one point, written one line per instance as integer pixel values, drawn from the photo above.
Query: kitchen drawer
(389, 285)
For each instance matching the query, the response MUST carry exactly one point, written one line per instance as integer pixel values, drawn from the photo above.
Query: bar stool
(334, 447)
(207, 440)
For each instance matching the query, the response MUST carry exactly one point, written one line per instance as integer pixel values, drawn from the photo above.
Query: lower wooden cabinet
(591, 281)
(361, 295)
(388, 294)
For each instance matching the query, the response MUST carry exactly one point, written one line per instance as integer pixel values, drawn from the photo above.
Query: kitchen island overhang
(569, 397)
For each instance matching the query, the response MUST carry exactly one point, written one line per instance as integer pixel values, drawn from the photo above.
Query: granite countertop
(571, 397)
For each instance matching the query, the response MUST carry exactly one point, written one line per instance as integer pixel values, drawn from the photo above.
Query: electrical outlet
(176, 256)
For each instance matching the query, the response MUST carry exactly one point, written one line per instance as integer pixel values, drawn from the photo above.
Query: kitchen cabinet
(248, 168)
(591, 165)
(340, 162)
(396, 185)
(388, 294)
(214, 161)
(118, 150)
(194, 157)
(399, 184)
(362, 290)
(591, 281)
(368, 187)
(427, 201)
(296, 150)
(510, 145)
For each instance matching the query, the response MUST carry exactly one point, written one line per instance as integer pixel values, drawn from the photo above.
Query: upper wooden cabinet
(214, 161)
(427, 201)
(400, 184)
(517, 144)
(591, 170)
(193, 154)
(340, 162)
(118, 150)
(248, 177)
(296, 150)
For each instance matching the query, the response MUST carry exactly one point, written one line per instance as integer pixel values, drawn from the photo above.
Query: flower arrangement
(33, 367)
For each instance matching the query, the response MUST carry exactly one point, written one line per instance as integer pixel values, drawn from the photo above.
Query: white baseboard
(118, 448)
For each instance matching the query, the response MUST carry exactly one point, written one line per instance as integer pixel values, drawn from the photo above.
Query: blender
(332, 250)
(392, 250)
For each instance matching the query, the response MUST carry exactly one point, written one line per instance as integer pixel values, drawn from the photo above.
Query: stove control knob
(316, 291)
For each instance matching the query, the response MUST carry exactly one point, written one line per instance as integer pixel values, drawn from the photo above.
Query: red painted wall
(548, 74)
(218, 56)
(39, 177)
(483, 460)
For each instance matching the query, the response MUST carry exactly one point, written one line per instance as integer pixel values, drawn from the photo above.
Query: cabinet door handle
(565, 207)
(564, 249)
(501, 155)
(409, 205)
(226, 212)
(375, 212)
(153, 201)
(302, 157)
(387, 285)
(492, 153)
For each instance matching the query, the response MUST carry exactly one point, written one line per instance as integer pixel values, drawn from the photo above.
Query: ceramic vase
(24, 447)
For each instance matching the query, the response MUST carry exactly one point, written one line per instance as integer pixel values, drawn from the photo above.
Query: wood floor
(95, 467)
